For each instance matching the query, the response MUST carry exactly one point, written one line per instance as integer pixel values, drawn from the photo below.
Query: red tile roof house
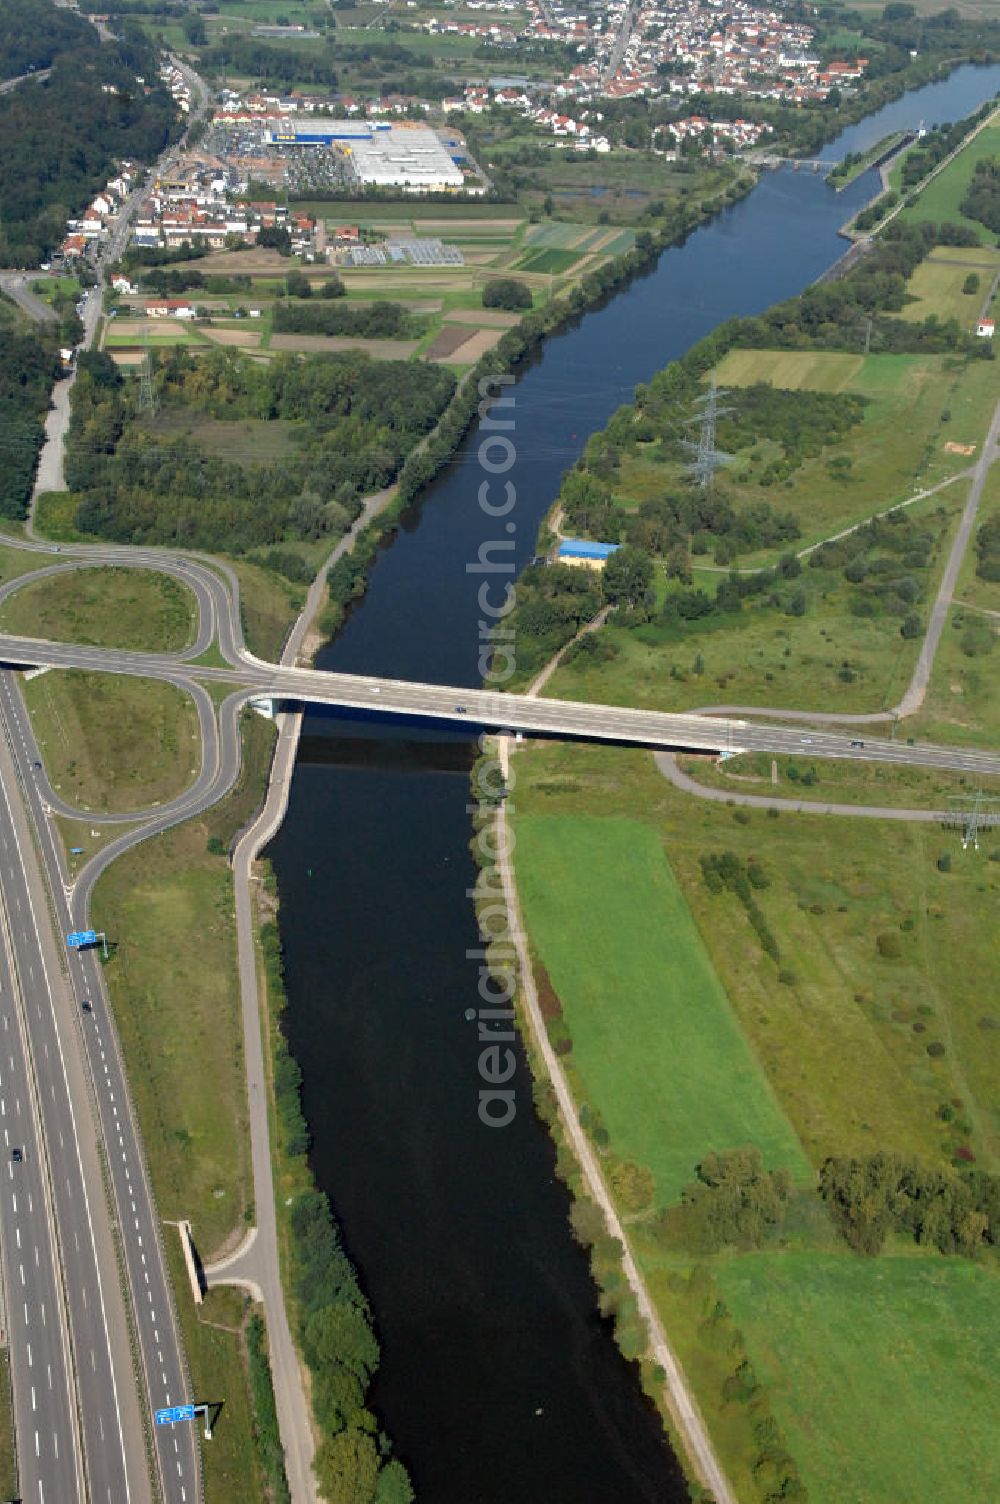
(169, 308)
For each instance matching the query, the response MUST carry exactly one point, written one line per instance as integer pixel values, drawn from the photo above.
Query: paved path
(687, 1418)
(669, 767)
(917, 689)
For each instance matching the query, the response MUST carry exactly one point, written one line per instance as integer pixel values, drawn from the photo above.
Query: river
(499, 1380)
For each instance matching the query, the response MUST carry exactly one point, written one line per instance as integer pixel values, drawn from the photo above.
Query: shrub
(889, 947)
(506, 292)
(633, 1184)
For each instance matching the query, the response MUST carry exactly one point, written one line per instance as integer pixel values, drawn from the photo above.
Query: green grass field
(831, 782)
(112, 608)
(167, 908)
(815, 370)
(845, 1045)
(971, 590)
(940, 200)
(917, 406)
(937, 286)
(112, 743)
(213, 1346)
(962, 703)
(882, 1372)
(656, 1044)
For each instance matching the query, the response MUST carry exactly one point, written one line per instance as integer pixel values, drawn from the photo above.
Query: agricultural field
(655, 1043)
(940, 200)
(794, 370)
(937, 284)
(445, 302)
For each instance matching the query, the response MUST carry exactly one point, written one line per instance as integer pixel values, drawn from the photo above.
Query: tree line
(332, 1316)
(982, 200)
(29, 366)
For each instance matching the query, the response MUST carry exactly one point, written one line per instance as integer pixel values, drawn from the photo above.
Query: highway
(477, 708)
(32, 1312)
(70, 1223)
(12, 83)
(165, 1375)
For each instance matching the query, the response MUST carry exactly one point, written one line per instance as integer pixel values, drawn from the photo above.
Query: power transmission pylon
(972, 812)
(707, 458)
(148, 399)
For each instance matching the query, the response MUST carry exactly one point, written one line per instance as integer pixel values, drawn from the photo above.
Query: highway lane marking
(34, 1401)
(48, 1370)
(27, 1346)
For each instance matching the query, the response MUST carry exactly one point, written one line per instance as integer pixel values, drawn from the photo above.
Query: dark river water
(499, 1381)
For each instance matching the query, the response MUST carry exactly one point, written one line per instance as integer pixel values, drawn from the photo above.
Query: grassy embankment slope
(683, 1034)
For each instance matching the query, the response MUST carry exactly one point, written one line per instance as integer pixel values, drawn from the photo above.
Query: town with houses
(647, 50)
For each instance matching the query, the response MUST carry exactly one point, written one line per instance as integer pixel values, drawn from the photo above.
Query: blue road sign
(174, 1414)
(76, 939)
(75, 850)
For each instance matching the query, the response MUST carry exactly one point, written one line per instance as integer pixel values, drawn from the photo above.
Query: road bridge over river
(255, 680)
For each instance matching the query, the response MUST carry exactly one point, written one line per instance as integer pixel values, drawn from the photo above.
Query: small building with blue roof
(580, 551)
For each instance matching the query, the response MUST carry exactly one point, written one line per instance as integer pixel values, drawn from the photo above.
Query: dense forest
(344, 424)
(60, 138)
(29, 364)
(33, 33)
